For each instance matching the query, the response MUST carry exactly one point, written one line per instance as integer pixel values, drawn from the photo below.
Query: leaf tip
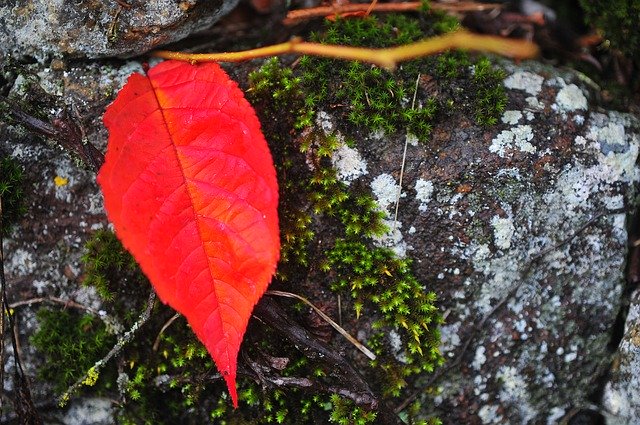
(230, 379)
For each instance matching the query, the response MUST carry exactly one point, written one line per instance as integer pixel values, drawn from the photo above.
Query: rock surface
(93, 29)
(621, 397)
(519, 228)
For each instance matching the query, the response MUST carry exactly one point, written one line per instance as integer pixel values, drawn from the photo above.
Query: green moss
(371, 97)
(11, 193)
(105, 258)
(280, 92)
(618, 19)
(377, 284)
(71, 343)
(345, 412)
(490, 99)
(116, 276)
(376, 99)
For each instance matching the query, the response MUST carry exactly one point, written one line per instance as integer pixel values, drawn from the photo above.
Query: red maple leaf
(190, 187)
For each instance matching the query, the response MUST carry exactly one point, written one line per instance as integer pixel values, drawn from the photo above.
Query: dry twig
(327, 319)
(295, 16)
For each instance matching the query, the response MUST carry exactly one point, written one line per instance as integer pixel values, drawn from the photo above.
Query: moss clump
(71, 344)
(490, 99)
(345, 412)
(618, 19)
(377, 284)
(376, 276)
(376, 99)
(373, 98)
(11, 193)
(105, 258)
(283, 91)
(115, 275)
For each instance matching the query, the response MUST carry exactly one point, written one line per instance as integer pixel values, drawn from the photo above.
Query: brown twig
(156, 343)
(61, 129)
(54, 300)
(327, 319)
(22, 400)
(268, 311)
(295, 16)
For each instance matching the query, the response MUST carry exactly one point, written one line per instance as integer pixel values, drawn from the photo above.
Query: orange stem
(386, 58)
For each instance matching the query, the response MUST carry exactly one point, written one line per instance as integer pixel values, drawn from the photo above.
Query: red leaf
(190, 187)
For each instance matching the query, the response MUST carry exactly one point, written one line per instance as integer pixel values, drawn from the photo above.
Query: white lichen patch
(325, 122)
(411, 139)
(396, 344)
(393, 238)
(622, 393)
(611, 137)
(19, 262)
(518, 137)
(570, 98)
(488, 414)
(424, 191)
(449, 338)
(348, 163)
(499, 276)
(524, 80)
(514, 391)
(385, 190)
(503, 231)
(479, 358)
(511, 117)
(534, 103)
(89, 411)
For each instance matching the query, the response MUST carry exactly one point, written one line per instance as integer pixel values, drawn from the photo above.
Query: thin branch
(156, 343)
(62, 129)
(22, 400)
(404, 161)
(295, 16)
(327, 319)
(386, 58)
(54, 300)
(124, 340)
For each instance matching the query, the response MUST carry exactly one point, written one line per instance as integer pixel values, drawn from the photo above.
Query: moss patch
(71, 343)
(11, 193)
(373, 98)
(618, 19)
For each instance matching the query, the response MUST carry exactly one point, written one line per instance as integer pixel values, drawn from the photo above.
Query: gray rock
(521, 230)
(89, 411)
(622, 393)
(93, 29)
